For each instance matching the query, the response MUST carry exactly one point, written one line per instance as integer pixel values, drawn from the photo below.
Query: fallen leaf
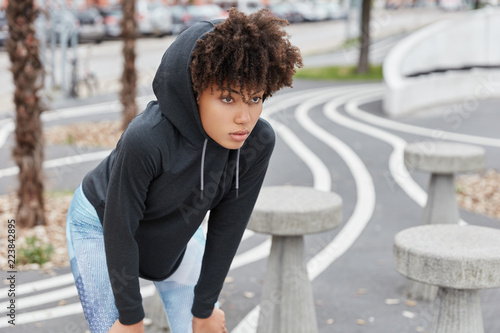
(361, 322)
(392, 301)
(249, 294)
(408, 314)
(361, 291)
(411, 303)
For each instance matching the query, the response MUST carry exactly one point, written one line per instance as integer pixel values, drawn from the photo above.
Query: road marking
(59, 162)
(254, 254)
(436, 134)
(396, 161)
(363, 211)
(62, 311)
(40, 285)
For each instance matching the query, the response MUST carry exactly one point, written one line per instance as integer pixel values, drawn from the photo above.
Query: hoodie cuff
(202, 310)
(131, 316)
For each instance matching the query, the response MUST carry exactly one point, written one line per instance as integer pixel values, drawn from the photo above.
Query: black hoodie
(154, 189)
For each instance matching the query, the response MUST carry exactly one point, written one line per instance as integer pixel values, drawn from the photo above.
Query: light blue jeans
(88, 262)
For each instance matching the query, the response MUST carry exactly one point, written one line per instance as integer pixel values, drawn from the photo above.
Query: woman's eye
(226, 99)
(256, 99)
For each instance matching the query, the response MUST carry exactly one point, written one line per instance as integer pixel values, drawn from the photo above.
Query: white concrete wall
(472, 39)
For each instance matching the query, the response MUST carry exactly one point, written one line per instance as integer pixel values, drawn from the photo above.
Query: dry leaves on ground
(53, 232)
(87, 134)
(480, 193)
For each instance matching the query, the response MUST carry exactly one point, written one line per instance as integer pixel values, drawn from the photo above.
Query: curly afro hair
(251, 52)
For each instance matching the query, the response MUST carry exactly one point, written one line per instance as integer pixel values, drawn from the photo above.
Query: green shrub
(34, 252)
(340, 73)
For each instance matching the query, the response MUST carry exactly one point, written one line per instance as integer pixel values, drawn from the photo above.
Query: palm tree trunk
(363, 63)
(129, 76)
(27, 70)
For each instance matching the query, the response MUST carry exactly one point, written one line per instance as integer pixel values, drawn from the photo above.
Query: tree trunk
(27, 70)
(363, 63)
(129, 76)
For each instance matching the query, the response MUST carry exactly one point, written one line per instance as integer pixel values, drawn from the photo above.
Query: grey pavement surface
(355, 290)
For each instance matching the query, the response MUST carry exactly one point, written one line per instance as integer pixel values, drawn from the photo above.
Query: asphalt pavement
(327, 139)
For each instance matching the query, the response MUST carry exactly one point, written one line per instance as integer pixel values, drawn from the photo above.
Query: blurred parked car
(206, 12)
(153, 19)
(4, 29)
(92, 26)
(285, 11)
(451, 5)
(181, 20)
(334, 11)
(112, 18)
(310, 12)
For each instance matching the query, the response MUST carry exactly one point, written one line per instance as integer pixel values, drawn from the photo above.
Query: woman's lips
(239, 135)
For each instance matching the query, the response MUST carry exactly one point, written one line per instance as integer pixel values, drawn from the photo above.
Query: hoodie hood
(173, 87)
(174, 92)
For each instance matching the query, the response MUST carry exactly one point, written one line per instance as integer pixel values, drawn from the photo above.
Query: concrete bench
(442, 160)
(460, 260)
(288, 213)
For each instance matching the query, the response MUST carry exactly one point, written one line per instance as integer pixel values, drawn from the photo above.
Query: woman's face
(226, 117)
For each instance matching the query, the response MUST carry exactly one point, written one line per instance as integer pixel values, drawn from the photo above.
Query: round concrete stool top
(449, 255)
(295, 210)
(443, 157)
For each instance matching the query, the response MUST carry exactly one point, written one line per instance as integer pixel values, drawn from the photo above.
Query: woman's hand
(216, 323)
(120, 328)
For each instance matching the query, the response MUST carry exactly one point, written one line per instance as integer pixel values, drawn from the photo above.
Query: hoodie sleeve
(229, 219)
(133, 169)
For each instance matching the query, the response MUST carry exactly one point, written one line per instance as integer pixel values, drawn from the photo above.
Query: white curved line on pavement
(321, 175)
(254, 254)
(27, 288)
(59, 162)
(436, 134)
(365, 189)
(396, 161)
(62, 293)
(60, 311)
(396, 165)
(365, 203)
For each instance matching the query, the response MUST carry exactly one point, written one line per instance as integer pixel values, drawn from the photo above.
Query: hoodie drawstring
(237, 172)
(202, 171)
(202, 180)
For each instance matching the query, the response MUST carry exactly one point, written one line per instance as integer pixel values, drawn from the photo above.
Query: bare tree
(129, 76)
(363, 63)
(27, 70)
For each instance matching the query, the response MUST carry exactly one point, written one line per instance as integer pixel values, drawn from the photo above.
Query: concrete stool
(442, 160)
(460, 260)
(288, 213)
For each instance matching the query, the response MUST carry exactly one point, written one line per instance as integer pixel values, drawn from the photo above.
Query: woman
(199, 147)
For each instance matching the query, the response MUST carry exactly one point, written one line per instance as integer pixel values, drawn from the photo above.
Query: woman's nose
(243, 114)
